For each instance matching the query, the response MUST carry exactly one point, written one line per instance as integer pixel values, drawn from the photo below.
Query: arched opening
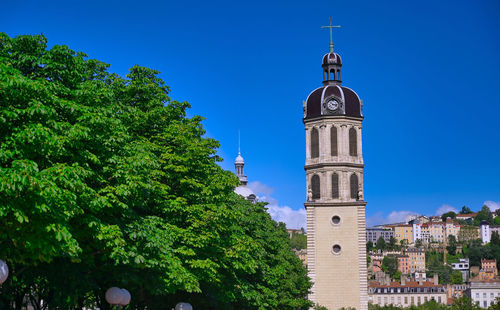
(332, 74)
(353, 142)
(335, 186)
(354, 186)
(333, 141)
(315, 187)
(338, 75)
(314, 143)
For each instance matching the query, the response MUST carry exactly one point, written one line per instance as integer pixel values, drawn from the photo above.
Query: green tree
(106, 181)
(464, 303)
(452, 245)
(450, 214)
(369, 246)
(418, 243)
(298, 241)
(393, 244)
(483, 215)
(465, 210)
(390, 265)
(456, 277)
(381, 244)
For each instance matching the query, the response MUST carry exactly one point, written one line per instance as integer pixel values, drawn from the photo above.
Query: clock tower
(336, 238)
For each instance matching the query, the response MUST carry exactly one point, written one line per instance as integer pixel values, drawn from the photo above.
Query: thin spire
(331, 34)
(239, 143)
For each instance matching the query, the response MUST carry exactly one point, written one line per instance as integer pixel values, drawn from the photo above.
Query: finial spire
(239, 143)
(331, 35)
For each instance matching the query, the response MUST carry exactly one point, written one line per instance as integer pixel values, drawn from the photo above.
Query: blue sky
(428, 73)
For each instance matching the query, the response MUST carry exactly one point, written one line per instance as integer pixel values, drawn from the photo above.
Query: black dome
(331, 59)
(317, 97)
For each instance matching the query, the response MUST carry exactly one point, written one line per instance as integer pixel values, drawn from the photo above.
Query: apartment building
(406, 293)
(404, 232)
(404, 264)
(484, 292)
(416, 259)
(372, 234)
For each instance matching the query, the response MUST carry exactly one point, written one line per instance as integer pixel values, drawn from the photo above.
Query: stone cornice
(341, 164)
(336, 204)
(312, 119)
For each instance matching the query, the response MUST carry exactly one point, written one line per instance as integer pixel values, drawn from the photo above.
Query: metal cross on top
(331, 36)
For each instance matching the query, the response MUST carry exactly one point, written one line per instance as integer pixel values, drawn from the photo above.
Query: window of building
(477, 295)
(485, 304)
(314, 143)
(315, 187)
(333, 141)
(406, 300)
(354, 186)
(439, 299)
(412, 299)
(335, 185)
(353, 142)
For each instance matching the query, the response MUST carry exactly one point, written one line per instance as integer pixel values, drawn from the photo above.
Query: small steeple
(239, 163)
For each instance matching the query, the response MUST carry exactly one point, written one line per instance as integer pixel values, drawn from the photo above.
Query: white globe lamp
(4, 271)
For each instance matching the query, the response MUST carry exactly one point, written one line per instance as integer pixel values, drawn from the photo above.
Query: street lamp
(4, 271)
(118, 297)
(183, 306)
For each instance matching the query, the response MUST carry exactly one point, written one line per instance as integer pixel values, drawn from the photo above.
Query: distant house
(463, 267)
(484, 292)
(403, 264)
(404, 232)
(488, 269)
(417, 259)
(372, 234)
(466, 217)
(406, 293)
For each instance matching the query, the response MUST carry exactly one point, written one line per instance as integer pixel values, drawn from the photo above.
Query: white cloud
(493, 205)
(292, 218)
(393, 217)
(259, 188)
(446, 208)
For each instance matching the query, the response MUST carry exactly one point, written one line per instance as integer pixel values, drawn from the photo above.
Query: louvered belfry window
(353, 142)
(315, 187)
(335, 185)
(354, 186)
(314, 143)
(333, 140)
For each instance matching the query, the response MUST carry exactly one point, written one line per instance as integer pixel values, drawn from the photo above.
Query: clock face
(332, 105)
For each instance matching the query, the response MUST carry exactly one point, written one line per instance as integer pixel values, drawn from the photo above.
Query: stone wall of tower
(339, 278)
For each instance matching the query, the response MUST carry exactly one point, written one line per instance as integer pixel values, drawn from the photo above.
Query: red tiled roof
(407, 284)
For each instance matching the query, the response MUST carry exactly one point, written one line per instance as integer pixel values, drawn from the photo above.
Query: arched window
(353, 142)
(333, 141)
(315, 187)
(314, 143)
(335, 185)
(354, 186)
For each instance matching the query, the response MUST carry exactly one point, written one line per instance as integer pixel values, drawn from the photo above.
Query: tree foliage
(381, 244)
(483, 215)
(390, 265)
(449, 214)
(104, 181)
(298, 241)
(465, 210)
